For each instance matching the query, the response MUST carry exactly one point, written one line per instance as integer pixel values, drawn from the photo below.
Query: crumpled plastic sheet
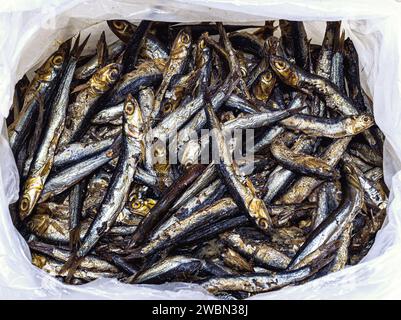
(32, 29)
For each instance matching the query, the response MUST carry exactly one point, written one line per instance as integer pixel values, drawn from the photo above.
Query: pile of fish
(305, 200)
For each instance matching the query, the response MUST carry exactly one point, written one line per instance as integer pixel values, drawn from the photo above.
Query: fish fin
(76, 44)
(77, 49)
(66, 44)
(131, 279)
(80, 87)
(339, 43)
(101, 50)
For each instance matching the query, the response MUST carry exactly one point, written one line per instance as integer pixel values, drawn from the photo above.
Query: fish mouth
(31, 196)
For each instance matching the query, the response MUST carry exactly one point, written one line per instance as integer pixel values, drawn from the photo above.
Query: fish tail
(75, 239)
(134, 253)
(77, 49)
(70, 267)
(102, 50)
(326, 257)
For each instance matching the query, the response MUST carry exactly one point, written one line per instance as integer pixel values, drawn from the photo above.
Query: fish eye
(267, 76)
(119, 25)
(202, 44)
(113, 74)
(136, 205)
(24, 205)
(263, 224)
(185, 38)
(109, 154)
(167, 107)
(129, 109)
(280, 65)
(366, 119)
(57, 60)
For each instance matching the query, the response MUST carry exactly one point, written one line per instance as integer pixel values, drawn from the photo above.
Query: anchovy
(259, 252)
(305, 185)
(90, 262)
(337, 66)
(43, 160)
(61, 181)
(232, 59)
(262, 282)
(76, 200)
(335, 223)
(152, 48)
(178, 230)
(235, 261)
(327, 203)
(160, 210)
(246, 42)
(121, 180)
(89, 68)
(54, 268)
(174, 269)
(79, 151)
(242, 190)
(148, 73)
(262, 119)
(84, 106)
(134, 45)
(329, 127)
(306, 82)
(366, 153)
(214, 229)
(39, 91)
(175, 65)
(281, 177)
(342, 254)
(301, 163)
(266, 139)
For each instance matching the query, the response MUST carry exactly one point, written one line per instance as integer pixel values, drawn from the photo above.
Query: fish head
(33, 189)
(52, 66)
(133, 120)
(264, 86)
(181, 45)
(203, 52)
(39, 260)
(169, 106)
(122, 29)
(142, 206)
(104, 78)
(242, 64)
(257, 210)
(359, 123)
(285, 70)
(351, 176)
(191, 153)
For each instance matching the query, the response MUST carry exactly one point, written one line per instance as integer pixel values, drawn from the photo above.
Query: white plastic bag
(30, 31)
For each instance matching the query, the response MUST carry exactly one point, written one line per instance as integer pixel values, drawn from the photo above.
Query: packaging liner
(32, 29)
